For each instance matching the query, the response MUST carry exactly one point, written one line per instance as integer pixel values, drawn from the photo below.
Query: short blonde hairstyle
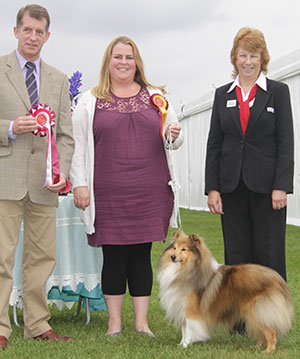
(103, 89)
(251, 40)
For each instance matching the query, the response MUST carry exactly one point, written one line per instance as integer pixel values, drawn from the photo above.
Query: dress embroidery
(136, 103)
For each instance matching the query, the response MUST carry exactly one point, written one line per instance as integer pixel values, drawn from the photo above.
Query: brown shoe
(3, 342)
(51, 335)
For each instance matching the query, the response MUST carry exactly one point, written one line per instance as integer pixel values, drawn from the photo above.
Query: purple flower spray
(75, 83)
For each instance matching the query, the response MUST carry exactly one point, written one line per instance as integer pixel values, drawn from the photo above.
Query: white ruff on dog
(169, 295)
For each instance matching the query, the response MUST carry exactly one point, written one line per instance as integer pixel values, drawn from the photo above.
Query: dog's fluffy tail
(274, 310)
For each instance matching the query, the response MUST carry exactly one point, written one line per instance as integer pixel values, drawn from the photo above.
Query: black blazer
(264, 157)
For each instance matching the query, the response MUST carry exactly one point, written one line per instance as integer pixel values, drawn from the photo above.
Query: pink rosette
(45, 119)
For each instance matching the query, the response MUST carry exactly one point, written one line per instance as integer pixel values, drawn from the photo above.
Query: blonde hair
(251, 40)
(103, 89)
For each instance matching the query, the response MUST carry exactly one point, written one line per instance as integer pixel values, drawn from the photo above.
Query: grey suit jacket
(23, 160)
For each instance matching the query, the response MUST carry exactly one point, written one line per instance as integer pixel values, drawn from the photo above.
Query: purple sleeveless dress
(133, 200)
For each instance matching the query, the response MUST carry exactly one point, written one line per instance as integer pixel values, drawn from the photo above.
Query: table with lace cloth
(77, 272)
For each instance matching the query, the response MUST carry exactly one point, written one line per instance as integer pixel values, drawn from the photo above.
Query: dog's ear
(195, 239)
(177, 234)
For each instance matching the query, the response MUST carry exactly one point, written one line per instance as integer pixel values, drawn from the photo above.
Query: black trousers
(127, 263)
(253, 232)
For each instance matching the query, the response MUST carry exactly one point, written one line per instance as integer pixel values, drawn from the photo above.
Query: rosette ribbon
(161, 104)
(45, 119)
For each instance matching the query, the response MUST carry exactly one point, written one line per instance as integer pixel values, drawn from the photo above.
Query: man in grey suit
(23, 195)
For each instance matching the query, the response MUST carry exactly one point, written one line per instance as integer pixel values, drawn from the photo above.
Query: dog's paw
(269, 350)
(266, 351)
(184, 344)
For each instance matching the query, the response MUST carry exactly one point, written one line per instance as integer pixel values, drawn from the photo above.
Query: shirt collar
(23, 61)
(261, 82)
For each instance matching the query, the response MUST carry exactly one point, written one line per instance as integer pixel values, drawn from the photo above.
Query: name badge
(270, 109)
(231, 103)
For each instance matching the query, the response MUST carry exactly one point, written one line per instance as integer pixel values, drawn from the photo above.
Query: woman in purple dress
(121, 171)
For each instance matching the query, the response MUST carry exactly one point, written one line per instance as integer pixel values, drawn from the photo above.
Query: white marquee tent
(195, 119)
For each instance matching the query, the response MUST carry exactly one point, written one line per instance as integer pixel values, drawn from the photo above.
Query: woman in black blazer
(250, 157)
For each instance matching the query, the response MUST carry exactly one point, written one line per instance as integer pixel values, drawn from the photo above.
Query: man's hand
(24, 124)
(59, 185)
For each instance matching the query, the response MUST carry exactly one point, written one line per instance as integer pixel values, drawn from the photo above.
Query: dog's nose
(173, 257)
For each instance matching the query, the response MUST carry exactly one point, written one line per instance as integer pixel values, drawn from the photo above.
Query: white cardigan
(82, 167)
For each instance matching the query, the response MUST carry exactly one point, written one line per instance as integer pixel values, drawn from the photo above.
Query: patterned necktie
(31, 83)
(244, 106)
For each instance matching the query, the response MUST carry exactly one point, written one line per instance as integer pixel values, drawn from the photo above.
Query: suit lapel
(234, 111)
(259, 105)
(15, 76)
(46, 83)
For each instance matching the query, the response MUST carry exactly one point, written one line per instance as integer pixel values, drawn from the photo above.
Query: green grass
(91, 341)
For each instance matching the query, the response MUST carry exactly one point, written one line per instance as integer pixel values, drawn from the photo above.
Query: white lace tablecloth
(76, 261)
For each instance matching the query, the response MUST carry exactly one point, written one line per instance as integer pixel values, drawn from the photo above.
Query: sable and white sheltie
(200, 295)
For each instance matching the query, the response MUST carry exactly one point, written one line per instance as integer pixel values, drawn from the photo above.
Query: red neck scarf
(244, 106)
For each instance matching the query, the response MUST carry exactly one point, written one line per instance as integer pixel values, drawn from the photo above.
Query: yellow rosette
(160, 103)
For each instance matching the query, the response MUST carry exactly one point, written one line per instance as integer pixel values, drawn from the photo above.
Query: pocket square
(270, 109)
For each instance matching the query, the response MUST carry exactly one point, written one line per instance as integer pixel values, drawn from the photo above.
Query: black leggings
(122, 263)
